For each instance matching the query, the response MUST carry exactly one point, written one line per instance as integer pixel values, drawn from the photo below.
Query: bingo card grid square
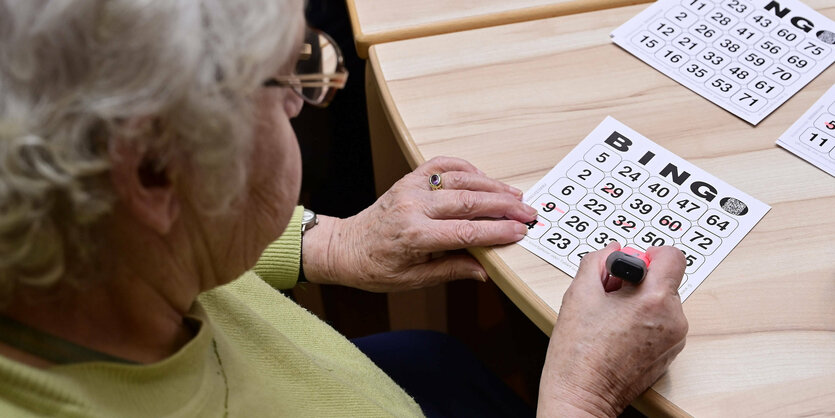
(618, 185)
(739, 54)
(812, 137)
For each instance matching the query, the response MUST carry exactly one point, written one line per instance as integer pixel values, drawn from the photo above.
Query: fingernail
(530, 211)
(480, 276)
(516, 192)
(521, 229)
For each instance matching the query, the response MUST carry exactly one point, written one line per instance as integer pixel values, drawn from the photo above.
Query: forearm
(559, 408)
(559, 402)
(561, 397)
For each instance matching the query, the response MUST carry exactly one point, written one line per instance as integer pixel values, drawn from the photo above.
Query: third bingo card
(746, 56)
(812, 137)
(617, 185)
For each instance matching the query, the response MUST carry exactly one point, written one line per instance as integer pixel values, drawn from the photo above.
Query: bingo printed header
(701, 189)
(803, 23)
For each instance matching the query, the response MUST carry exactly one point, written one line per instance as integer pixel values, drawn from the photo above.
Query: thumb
(592, 272)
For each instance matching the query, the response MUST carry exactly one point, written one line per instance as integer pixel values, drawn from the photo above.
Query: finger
(666, 268)
(612, 283)
(592, 271)
(444, 164)
(445, 269)
(463, 180)
(465, 204)
(447, 235)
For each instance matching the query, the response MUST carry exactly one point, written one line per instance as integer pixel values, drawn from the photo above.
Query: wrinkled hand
(609, 347)
(398, 243)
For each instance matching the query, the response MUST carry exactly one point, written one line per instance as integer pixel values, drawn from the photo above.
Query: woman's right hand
(608, 348)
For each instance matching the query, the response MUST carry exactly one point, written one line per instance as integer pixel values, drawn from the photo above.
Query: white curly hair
(73, 73)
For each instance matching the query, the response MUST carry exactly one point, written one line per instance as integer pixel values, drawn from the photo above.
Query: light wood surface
(379, 21)
(515, 99)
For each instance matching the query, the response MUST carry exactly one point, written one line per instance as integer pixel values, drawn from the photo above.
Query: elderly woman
(147, 165)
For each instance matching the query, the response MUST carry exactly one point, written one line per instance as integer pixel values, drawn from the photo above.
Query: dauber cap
(626, 266)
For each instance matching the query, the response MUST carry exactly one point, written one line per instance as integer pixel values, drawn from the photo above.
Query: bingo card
(746, 56)
(617, 185)
(812, 137)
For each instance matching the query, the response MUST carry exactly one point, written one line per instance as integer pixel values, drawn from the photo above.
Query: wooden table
(378, 21)
(515, 99)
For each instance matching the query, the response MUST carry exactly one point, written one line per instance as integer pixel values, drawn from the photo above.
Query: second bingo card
(746, 56)
(617, 185)
(812, 137)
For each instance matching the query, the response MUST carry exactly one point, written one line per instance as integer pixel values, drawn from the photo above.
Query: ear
(143, 188)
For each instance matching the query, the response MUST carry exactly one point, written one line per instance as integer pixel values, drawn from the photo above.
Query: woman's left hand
(400, 242)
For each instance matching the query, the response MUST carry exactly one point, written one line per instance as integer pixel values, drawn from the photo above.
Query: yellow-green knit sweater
(257, 354)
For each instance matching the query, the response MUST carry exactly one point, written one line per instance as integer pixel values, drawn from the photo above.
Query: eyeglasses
(319, 73)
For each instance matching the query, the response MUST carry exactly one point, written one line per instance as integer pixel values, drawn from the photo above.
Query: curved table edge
(364, 41)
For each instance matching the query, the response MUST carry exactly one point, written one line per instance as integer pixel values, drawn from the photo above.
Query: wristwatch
(309, 220)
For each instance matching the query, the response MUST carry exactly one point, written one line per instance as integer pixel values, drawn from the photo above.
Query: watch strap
(307, 224)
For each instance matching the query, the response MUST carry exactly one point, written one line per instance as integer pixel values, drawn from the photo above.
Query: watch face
(309, 220)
